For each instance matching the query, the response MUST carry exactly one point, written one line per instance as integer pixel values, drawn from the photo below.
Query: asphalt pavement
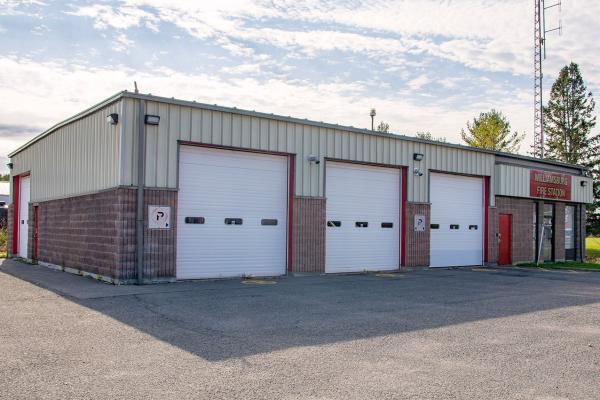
(444, 334)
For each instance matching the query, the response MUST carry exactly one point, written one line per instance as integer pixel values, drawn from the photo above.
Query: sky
(424, 65)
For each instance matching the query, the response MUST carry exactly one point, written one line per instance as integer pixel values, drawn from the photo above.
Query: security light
(10, 165)
(112, 119)
(583, 183)
(418, 156)
(313, 158)
(152, 119)
(418, 172)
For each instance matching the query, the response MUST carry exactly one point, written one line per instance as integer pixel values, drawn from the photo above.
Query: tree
(568, 122)
(4, 177)
(491, 130)
(383, 127)
(429, 136)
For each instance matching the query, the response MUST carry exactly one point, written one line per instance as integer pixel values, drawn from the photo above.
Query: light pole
(373, 114)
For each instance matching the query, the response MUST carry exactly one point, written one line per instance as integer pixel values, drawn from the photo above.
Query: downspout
(139, 228)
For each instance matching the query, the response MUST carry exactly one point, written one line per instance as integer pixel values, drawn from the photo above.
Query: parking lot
(446, 333)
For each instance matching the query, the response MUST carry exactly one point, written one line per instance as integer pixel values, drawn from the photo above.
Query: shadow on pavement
(220, 320)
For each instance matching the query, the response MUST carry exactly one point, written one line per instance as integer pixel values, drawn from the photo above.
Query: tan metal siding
(512, 180)
(178, 122)
(582, 194)
(80, 157)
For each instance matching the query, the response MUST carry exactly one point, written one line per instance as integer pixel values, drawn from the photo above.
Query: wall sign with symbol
(159, 217)
(419, 223)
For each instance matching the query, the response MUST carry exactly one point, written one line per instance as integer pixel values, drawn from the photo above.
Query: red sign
(549, 185)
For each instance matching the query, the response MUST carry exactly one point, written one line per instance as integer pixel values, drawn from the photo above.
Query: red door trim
(486, 201)
(404, 187)
(16, 195)
(291, 164)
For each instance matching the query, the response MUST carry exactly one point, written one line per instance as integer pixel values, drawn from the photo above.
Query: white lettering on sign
(159, 217)
(419, 223)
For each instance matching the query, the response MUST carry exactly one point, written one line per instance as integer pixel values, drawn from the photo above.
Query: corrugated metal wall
(78, 158)
(84, 156)
(178, 122)
(512, 180)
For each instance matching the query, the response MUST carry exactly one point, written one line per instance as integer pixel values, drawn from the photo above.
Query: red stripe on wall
(486, 200)
(404, 187)
(16, 193)
(290, 210)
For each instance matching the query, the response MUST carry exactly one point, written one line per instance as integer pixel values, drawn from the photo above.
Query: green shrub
(3, 239)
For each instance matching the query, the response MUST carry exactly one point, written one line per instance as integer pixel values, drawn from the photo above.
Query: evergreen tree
(568, 122)
(491, 130)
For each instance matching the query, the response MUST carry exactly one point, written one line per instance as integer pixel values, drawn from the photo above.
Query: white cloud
(57, 90)
(418, 82)
(122, 43)
(124, 17)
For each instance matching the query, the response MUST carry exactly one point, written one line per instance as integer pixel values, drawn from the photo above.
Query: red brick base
(417, 243)
(95, 233)
(308, 235)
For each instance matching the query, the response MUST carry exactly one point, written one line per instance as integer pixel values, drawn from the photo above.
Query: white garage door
(456, 220)
(232, 214)
(363, 218)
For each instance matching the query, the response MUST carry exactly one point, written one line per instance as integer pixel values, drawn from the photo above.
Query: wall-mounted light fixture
(418, 172)
(152, 119)
(112, 119)
(314, 159)
(583, 183)
(418, 156)
(10, 165)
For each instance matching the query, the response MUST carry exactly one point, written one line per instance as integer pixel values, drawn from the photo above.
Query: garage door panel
(217, 184)
(456, 201)
(358, 193)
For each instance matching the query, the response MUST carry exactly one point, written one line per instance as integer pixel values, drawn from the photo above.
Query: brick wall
(417, 243)
(580, 217)
(96, 233)
(308, 235)
(160, 244)
(559, 231)
(9, 225)
(81, 232)
(522, 242)
(31, 232)
(492, 236)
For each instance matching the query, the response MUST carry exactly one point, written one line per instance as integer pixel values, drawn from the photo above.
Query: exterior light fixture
(418, 156)
(583, 183)
(418, 172)
(152, 119)
(313, 158)
(10, 165)
(112, 119)
(373, 113)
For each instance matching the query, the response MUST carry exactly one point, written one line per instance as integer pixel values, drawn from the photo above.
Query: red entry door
(504, 221)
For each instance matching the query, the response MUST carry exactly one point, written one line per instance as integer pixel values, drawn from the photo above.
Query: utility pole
(539, 55)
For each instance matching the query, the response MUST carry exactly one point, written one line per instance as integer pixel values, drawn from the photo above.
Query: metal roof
(214, 107)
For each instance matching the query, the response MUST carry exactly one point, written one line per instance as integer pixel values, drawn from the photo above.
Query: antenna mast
(539, 55)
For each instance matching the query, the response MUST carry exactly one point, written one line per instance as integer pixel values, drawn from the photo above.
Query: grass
(592, 252)
(3, 237)
(592, 249)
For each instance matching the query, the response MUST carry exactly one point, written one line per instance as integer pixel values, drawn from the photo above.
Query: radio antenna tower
(539, 55)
